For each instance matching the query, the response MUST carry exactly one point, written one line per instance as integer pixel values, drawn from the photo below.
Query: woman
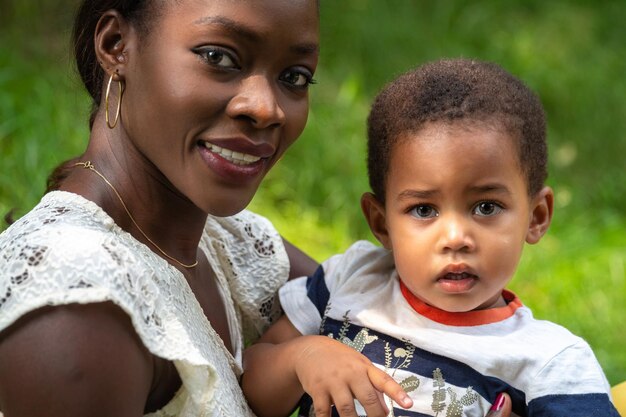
(126, 291)
(210, 95)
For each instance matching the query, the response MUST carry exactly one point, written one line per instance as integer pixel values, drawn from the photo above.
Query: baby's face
(457, 212)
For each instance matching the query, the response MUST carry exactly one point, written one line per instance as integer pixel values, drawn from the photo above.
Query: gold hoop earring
(119, 102)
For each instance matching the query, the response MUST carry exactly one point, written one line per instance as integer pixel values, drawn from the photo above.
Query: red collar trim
(469, 318)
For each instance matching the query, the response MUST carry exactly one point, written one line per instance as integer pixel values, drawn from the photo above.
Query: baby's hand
(335, 374)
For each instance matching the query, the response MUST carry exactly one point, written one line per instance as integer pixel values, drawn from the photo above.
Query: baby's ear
(374, 213)
(542, 208)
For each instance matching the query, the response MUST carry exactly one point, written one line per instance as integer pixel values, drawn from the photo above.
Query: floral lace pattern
(68, 250)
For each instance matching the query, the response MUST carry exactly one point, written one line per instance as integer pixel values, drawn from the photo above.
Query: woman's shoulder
(59, 210)
(68, 250)
(63, 230)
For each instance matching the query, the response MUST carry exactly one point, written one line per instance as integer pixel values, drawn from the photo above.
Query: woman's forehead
(295, 19)
(300, 11)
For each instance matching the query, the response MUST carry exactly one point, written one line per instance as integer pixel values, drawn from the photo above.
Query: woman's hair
(141, 13)
(457, 91)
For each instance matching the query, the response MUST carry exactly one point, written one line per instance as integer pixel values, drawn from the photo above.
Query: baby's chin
(455, 305)
(495, 302)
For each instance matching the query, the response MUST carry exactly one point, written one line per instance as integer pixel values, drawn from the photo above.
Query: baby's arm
(283, 364)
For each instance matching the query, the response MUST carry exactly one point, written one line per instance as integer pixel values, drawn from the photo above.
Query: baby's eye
(424, 211)
(297, 78)
(217, 57)
(487, 208)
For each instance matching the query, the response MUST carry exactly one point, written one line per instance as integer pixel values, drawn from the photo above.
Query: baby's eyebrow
(417, 194)
(495, 188)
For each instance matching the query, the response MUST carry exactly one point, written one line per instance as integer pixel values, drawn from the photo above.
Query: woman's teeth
(237, 158)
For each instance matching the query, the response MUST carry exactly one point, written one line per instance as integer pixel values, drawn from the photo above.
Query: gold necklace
(89, 165)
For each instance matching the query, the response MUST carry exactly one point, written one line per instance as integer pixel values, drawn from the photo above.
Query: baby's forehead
(455, 158)
(433, 129)
(457, 136)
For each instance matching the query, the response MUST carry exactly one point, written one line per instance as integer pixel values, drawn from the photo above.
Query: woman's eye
(217, 57)
(297, 79)
(424, 212)
(487, 208)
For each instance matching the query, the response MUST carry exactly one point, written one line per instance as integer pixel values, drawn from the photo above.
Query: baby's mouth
(459, 281)
(458, 276)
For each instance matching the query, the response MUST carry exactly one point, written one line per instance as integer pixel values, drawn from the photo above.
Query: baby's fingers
(321, 405)
(387, 385)
(371, 399)
(342, 401)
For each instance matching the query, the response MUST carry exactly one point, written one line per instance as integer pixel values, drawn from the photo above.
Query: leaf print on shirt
(361, 339)
(439, 393)
(455, 407)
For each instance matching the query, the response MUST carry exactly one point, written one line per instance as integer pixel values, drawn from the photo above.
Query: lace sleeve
(59, 264)
(67, 250)
(255, 264)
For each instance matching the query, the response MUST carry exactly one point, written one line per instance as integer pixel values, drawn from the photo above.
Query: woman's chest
(211, 296)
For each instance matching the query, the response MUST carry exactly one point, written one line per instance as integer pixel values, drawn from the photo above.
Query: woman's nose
(455, 235)
(257, 101)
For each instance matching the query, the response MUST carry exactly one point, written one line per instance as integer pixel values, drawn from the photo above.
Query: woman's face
(217, 91)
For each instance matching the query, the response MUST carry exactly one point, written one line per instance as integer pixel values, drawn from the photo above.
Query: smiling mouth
(237, 158)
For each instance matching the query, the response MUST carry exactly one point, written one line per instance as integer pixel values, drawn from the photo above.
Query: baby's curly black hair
(457, 91)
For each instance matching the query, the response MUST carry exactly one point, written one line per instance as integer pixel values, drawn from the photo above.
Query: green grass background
(573, 53)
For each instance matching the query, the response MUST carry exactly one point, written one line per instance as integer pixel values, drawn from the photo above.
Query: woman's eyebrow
(230, 25)
(250, 34)
(305, 49)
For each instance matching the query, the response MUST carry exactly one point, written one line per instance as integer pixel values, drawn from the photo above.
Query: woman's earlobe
(541, 215)
(374, 212)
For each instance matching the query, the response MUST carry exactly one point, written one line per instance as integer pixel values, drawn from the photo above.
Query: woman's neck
(124, 184)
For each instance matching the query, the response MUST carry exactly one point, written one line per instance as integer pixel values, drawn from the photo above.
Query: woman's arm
(301, 264)
(74, 360)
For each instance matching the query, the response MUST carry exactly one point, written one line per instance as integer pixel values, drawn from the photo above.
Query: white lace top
(68, 250)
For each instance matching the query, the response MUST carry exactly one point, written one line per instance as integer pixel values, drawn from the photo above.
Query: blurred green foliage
(572, 53)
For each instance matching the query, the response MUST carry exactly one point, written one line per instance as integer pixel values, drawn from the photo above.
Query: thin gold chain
(90, 166)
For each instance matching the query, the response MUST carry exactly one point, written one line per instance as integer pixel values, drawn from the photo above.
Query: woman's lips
(232, 166)
(237, 158)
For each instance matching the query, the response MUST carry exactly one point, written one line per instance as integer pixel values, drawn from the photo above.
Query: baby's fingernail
(406, 401)
(498, 403)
